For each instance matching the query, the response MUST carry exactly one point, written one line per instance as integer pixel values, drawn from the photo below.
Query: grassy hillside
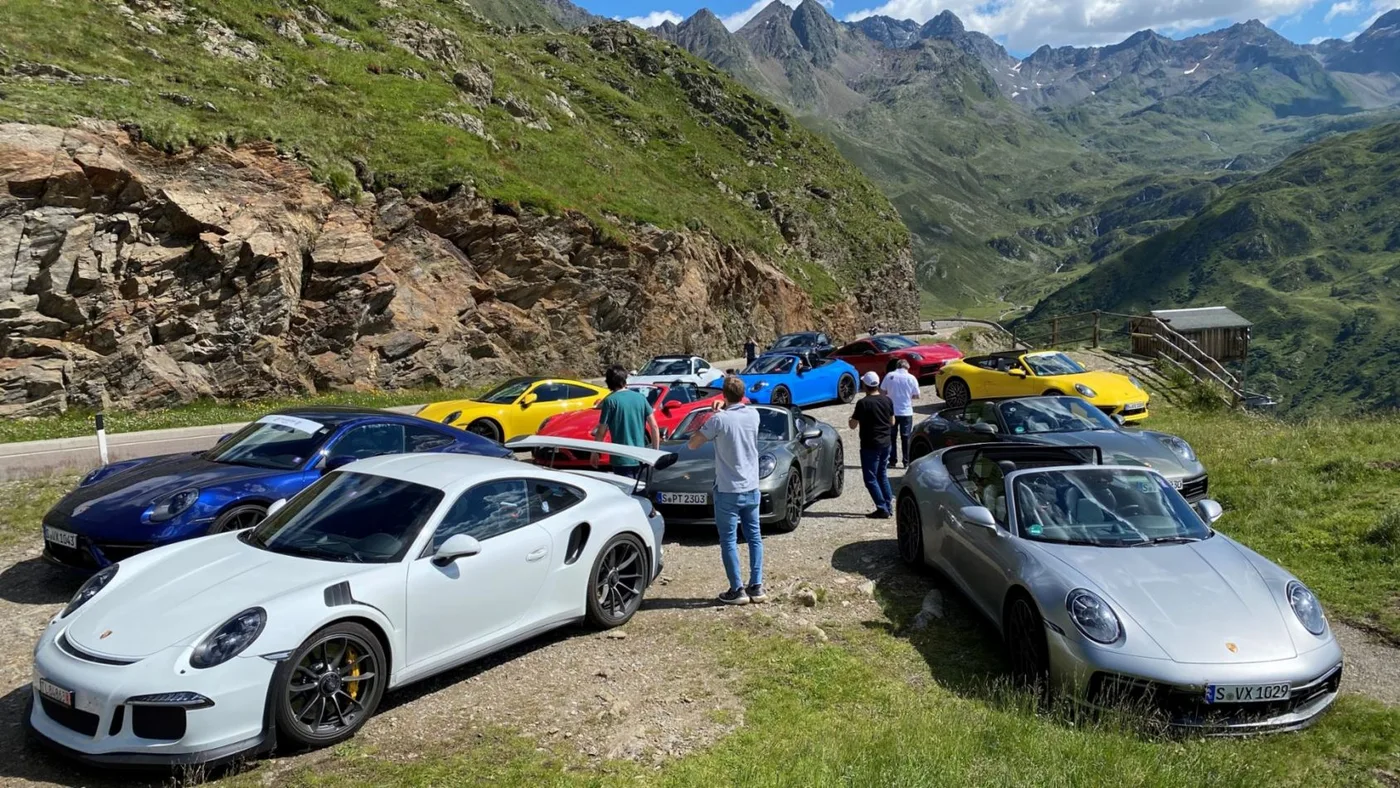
(1309, 251)
(609, 123)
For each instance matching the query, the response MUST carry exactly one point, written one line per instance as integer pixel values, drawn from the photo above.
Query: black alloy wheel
(486, 428)
(956, 393)
(846, 389)
(618, 581)
(909, 532)
(238, 518)
(331, 685)
(838, 472)
(781, 396)
(793, 505)
(1025, 643)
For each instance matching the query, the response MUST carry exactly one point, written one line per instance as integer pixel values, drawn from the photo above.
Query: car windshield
(274, 441)
(1048, 364)
(652, 393)
(1104, 508)
(770, 365)
(667, 366)
(795, 340)
(352, 517)
(507, 392)
(1052, 414)
(772, 424)
(891, 342)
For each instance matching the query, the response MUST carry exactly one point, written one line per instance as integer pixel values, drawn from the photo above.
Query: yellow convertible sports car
(1017, 373)
(516, 407)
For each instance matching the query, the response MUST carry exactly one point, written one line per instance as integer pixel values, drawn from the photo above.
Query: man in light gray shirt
(734, 429)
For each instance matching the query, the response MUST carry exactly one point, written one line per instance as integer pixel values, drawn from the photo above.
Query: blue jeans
(899, 438)
(874, 468)
(733, 510)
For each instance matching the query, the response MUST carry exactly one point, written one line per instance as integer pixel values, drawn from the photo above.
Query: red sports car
(874, 354)
(671, 402)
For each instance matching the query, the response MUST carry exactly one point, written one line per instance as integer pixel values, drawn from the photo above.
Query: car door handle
(538, 554)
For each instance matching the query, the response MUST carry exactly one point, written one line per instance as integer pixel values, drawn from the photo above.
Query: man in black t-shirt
(874, 415)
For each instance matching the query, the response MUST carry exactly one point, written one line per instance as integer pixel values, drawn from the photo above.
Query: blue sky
(1023, 25)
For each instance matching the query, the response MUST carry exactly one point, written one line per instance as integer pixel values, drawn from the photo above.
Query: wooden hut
(1217, 330)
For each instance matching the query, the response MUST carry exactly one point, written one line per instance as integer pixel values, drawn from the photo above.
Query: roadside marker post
(101, 439)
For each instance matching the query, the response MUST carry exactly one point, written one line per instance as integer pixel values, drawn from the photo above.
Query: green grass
(23, 504)
(1320, 497)
(76, 423)
(647, 144)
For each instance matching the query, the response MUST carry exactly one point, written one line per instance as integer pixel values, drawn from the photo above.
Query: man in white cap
(902, 389)
(874, 415)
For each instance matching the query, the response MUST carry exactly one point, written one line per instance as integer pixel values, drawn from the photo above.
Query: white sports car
(386, 571)
(672, 369)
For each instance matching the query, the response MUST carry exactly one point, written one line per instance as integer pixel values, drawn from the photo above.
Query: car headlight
(173, 505)
(1085, 391)
(90, 589)
(759, 386)
(914, 357)
(451, 417)
(1093, 616)
(1306, 607)
(1180, 447)
(229, 640)
(1133, 379)
(766, 464)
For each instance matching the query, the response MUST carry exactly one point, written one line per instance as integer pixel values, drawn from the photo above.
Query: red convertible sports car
(874, 354)
(671, 402)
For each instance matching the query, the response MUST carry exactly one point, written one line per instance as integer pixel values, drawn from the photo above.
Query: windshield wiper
(1168, 540)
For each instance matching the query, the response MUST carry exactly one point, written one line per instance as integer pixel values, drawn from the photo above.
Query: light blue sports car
(798, 379)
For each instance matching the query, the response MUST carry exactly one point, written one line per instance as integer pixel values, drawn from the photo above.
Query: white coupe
(676, 369)
(386, 571)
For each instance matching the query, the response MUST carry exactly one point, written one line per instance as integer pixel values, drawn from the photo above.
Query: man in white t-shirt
(903, 389)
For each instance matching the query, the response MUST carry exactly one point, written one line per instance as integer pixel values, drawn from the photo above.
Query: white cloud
(1318, 40)
(1026, 24)
(1345, 8)
(655, 18)
(737, 20)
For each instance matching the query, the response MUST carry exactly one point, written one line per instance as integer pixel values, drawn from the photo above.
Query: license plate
(1247, 693)
(55, 693)
(1177, 483)
(1135, 406)
(684, 499)
(60, 538)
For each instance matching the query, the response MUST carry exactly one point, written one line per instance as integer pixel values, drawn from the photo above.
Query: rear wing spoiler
(654, 458)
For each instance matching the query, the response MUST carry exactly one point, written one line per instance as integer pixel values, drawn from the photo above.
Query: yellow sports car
(516, 407)
(1017, 373)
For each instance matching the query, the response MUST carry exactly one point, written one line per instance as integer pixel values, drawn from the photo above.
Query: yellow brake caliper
(354, 688)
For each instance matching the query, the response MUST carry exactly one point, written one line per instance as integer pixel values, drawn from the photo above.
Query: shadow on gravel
(679, 603)
(963, 651)
(37, 582)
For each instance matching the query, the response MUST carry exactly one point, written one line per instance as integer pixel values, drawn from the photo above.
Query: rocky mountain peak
(945, 25)
(819, 33)
(775, 12)
(1388, 20)
(770, 33)
(888, 32)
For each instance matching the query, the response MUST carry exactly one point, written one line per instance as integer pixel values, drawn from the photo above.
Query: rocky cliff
(136, 278)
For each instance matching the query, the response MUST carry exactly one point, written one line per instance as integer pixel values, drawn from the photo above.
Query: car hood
(694, 469)
(468, 408)
(127, 492)
(1193, 599)
(934, 352)
(199, 584)
(1108, 386)
(572, 424)
(1121, 447)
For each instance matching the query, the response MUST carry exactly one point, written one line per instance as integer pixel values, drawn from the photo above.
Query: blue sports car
(125, 508)
(798, 379)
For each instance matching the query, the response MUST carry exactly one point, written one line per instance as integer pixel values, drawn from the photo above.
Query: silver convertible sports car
(1107, 585)
(800, 460)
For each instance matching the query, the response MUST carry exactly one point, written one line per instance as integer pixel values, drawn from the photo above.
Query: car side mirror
(985, 428)
(978, 515)
(456, 546)
(276, 506)
(633, 372)
(811, 434)
(1118, 419)
(333, 463)
(666, 408)
(223, 438)
(528, 400)
(1209, 510)
(1016, 373)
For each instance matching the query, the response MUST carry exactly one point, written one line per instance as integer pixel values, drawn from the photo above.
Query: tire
(793, 504)
(1052, 393)
(909, 532)
(486, 428)
(617, 582)
(956, 393)
(838, 472)
(239, 517)
(846, 389)
(919, 448)
(1026, 649)
(319, 669)
(781, 396)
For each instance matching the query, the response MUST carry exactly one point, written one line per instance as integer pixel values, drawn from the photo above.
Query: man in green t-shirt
(626, 418)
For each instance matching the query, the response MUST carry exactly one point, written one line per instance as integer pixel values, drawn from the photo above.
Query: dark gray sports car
(1062, 421)
(800, 460)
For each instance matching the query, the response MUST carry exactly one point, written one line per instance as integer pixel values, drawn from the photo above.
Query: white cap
(870, 379)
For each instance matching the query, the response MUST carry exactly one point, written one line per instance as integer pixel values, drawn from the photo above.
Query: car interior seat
(994, 490)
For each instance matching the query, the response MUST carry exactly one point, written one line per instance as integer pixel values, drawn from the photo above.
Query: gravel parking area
(649, 691)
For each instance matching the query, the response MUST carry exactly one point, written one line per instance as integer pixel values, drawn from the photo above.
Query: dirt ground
(648, 691)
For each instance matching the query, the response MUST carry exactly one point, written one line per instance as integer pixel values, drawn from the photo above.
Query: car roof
(451, 472)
